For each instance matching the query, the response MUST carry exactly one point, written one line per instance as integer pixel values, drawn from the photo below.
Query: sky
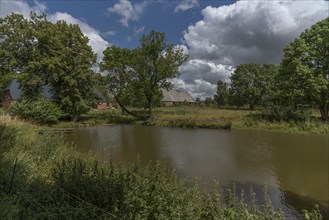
(217, 35)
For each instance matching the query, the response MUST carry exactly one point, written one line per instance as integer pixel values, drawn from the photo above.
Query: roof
(16, 92)
(99, 95)
(176, 96)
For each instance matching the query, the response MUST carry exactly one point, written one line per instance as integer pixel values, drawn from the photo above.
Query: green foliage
(313, 214)
(135, 77)
(209, 101)
(24, 43)
(72, 84)
(120, 80)
(157, 62)
(246, 85)
(37, 53)
(253, 85)
(40, 111)
(222, 94)
(304, 78)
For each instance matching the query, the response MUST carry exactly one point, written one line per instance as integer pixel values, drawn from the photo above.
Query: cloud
(186, 5)
(198, 89)
(251, 31)
(127, 11)
(21, 7)
(243, 32)
(97, 43)
(200, 77)
(138, 30)
(182, 47)
(109, 33)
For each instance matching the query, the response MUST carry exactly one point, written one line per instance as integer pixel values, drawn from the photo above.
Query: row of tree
(38, 52)
(288, 91)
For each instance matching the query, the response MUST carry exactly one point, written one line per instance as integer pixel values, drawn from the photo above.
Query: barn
(172, 97)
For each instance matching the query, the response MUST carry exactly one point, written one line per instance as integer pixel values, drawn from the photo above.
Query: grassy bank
(41, 177)
(200, 117)
(203, 117)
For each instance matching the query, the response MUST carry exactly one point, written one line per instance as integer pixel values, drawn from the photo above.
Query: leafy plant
(40, 111)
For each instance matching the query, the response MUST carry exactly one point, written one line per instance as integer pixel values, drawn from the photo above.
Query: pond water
(293, 167)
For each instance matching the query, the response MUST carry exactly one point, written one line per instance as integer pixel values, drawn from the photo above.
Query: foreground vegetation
(41, 177)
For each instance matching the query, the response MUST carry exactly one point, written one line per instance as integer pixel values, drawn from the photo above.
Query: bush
(40, 111)
(286, 113)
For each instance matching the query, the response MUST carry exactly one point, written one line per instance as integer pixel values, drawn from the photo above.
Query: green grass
(41, 177)
(205, 117)
(200, 117)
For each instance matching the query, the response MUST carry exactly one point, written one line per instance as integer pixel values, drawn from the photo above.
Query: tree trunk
(251, 105)
(324, 112)
(150, 115)
(123, 108)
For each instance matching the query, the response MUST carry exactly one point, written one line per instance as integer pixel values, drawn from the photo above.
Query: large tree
(222, 94)
(157, 63)
(120, 79)
(269, 86)
(304, 72)
(19, 52)
(72, 84)
(41, 53)
(246, 85)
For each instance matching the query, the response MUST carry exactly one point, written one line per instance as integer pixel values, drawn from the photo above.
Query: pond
(293, 167)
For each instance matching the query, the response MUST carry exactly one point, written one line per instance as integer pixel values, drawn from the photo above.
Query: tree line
(288, 91)
(37, 52)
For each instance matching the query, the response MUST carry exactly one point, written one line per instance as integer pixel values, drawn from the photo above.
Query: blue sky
(165, 16)
(218, 35)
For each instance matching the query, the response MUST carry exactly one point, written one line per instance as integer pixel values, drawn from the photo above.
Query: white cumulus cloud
(251, 31)
(243, 32)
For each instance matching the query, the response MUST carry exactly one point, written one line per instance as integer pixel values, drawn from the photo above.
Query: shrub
(40, 111)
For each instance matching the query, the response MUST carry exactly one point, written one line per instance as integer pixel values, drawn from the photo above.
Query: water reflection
(294, 167)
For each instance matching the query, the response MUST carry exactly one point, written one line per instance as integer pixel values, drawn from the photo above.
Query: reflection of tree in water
(302, 171)
(298, 162)
(300, 202)
(139, 140)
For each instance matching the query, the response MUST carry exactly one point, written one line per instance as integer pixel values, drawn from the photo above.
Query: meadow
(203, 117)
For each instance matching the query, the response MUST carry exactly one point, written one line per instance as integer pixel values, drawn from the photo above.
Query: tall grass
(206, 117)
(41, 177)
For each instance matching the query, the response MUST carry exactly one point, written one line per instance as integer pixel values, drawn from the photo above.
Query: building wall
(168, 103)
(7, 100)
(102, 106)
